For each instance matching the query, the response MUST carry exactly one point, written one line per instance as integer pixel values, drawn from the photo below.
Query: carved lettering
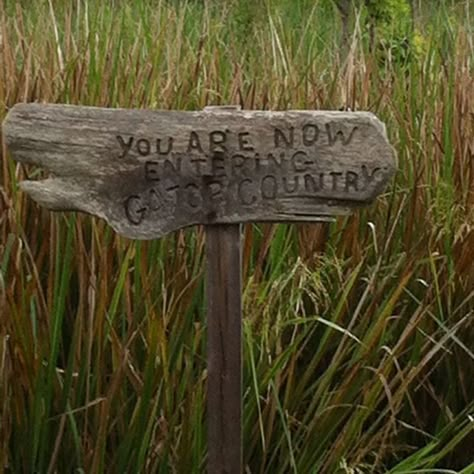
(135, 209)
(335, 177)
(173, 165)
(217, 138)
(352, 180)
(311, 185)
(288, 140)
(269, 187)
(333, 136)
(310, 134)
(143, 146)
(156, 199)
(277, 162)
(214, 190)
(369, 176)
(260, 162)
(218, 166)
(152, 171)
(268, 161)
(236, 164)
(193, 196)
(290, 188)
(301, 161)
(244, 191)
(199, 164)
(194, 143)
(172, 191)
(168, 149)
(125, 146)
(244, 144)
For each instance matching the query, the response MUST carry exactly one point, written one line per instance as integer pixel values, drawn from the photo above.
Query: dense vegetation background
(359, 335)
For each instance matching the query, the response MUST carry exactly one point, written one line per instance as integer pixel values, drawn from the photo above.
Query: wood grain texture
(224, 349)
(149, 173)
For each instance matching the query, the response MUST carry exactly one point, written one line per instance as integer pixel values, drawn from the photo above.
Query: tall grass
(359, 352)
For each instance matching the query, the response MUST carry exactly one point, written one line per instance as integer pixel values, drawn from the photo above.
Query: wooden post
(224, 349)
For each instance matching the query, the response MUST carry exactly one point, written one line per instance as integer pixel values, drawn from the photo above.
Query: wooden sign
(148, 173)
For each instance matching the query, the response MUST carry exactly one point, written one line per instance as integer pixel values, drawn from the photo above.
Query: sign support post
(224, 353)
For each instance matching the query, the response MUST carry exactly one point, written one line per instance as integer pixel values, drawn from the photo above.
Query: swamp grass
(359, 352)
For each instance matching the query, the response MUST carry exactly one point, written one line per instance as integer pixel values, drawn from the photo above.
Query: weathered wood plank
(152, 172)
